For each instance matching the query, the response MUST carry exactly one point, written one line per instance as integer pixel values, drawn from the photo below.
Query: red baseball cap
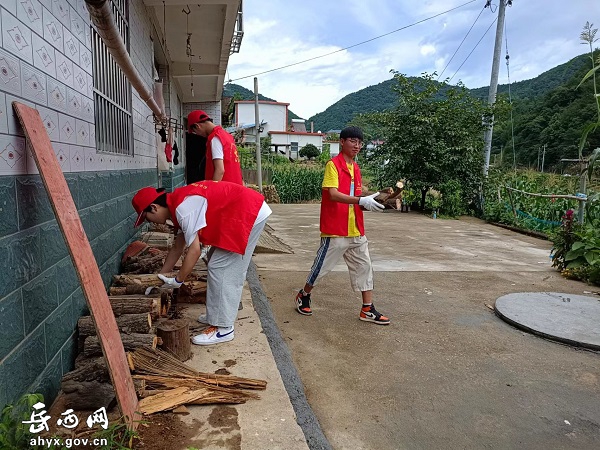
(144, 198)
(196, 116)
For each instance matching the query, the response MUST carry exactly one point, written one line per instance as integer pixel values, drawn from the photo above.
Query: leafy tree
(265, 144)
(431, 137)
(309, 151)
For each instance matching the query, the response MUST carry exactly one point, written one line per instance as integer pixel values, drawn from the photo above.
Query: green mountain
(241, 93)
(380, 96)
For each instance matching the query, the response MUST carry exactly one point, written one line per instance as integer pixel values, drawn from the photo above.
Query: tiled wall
(213, 109)
(46, 62)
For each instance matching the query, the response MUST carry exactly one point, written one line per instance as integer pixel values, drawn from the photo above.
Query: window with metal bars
(112, 91)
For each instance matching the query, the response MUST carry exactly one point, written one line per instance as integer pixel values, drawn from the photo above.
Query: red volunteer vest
(231, 160)
(230, 215)
(334, 215)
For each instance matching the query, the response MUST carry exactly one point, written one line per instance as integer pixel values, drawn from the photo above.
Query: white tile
(90, 85)
(13, 157)
(34, 84)
(11, 6)
(3, 114)
(92, 135)
(57, 95)
(43, 56)
(73, 103)
(14, 126)
(77, 26)
(83, 11)
(16, 37)
(90, 159)
(72, 3)
(77, 158)
(53, 30)
(60, 10)
(85, 58)
(10, 74)
(50, 119)
(63, 154)
(66, 129)
(47, 4)
(64, 69)
(32, 168)
(80, 79)
(88, 37)
(83, 133)
(71, 46)
(30, 13)
(87, 109)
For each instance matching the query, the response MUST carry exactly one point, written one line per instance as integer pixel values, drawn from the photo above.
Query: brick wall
(45, 62)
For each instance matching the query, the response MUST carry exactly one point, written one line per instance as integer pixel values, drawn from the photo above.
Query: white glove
(171, 283)
(369, 203)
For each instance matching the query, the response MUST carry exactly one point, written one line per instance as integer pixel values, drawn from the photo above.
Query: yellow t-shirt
(331, 180)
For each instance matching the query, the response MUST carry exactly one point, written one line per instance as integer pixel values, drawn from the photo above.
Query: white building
(273, 117)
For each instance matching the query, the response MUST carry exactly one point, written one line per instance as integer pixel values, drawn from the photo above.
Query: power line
(478, 42)
(460, 45)
(355, 45)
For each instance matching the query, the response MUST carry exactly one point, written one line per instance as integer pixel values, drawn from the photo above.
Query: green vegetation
(309, 151)
(433, 139)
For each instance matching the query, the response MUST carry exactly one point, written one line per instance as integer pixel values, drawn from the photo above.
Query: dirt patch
(222, 372)
(224, 417)
(230, 362)
(160, 431)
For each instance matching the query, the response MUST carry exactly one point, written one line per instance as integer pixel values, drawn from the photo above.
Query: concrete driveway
(447, 373)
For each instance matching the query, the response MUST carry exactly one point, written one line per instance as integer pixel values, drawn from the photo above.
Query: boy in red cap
(222, 160)
(225, 215)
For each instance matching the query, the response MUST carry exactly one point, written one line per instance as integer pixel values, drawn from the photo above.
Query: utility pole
(494, 82)
(257, 128)
(543, 157)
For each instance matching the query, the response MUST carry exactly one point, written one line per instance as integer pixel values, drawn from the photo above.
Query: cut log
(145, 280)
(135, 304)
(127, 290)
(128, 323)
(91, 347)
(89, 369)
(87, 395)
(143, 264)
(175, 335)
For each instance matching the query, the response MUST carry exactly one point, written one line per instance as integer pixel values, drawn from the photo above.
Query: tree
(433, 136)
(309, 151)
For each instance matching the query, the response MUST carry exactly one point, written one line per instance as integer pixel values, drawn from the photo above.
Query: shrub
(309, 151)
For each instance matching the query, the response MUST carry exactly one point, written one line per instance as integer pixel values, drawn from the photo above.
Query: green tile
(119, 183)
(80, 306)
(33, 204)
(9, 222)
(73, 183)
(69, 353)
(52, 244)
(94, 188)
(39, 299)
(104, 187)
(60, 325)
(24, 364)
(21, 253)
(48, 382)
(12, 327)
(4, 399)
(66, 279)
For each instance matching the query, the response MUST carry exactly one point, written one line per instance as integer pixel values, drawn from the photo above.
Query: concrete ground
(447, 373)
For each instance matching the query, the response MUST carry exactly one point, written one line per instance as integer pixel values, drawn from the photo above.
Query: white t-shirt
(191, 215)
(216, 148)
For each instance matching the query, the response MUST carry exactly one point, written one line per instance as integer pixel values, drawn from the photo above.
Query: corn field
(297, 183)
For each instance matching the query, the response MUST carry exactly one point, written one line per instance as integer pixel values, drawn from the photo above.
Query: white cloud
(541, 35)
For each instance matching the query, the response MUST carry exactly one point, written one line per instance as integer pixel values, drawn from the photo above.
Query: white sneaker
(214, 335)
(202, 319)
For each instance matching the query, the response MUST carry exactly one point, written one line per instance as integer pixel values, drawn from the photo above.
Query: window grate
(112, 91)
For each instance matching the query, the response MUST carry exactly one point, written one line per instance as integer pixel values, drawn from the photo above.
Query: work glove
(171, 283)
(370, 204)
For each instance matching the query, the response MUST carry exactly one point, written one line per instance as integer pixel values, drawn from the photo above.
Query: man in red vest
(222, 160)
(343, 230)
(224, 215)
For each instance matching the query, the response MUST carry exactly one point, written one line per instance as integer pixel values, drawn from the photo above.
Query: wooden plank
(83, 260)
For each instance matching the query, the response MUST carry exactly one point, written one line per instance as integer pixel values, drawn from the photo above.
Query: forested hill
(241, 93)
(380, 96)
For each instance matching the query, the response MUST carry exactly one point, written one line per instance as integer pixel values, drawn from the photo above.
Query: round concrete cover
(572, 319)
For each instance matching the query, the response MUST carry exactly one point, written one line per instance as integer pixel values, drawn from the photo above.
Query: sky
(541, 34)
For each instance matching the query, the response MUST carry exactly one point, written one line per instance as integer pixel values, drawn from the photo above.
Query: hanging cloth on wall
(176, 156)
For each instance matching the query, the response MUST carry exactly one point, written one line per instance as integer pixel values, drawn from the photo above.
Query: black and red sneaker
(368, 313)
(303, 303)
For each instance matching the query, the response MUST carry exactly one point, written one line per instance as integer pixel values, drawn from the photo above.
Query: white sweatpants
(355, 251)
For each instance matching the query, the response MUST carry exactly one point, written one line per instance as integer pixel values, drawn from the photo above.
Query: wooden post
(175, 335)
